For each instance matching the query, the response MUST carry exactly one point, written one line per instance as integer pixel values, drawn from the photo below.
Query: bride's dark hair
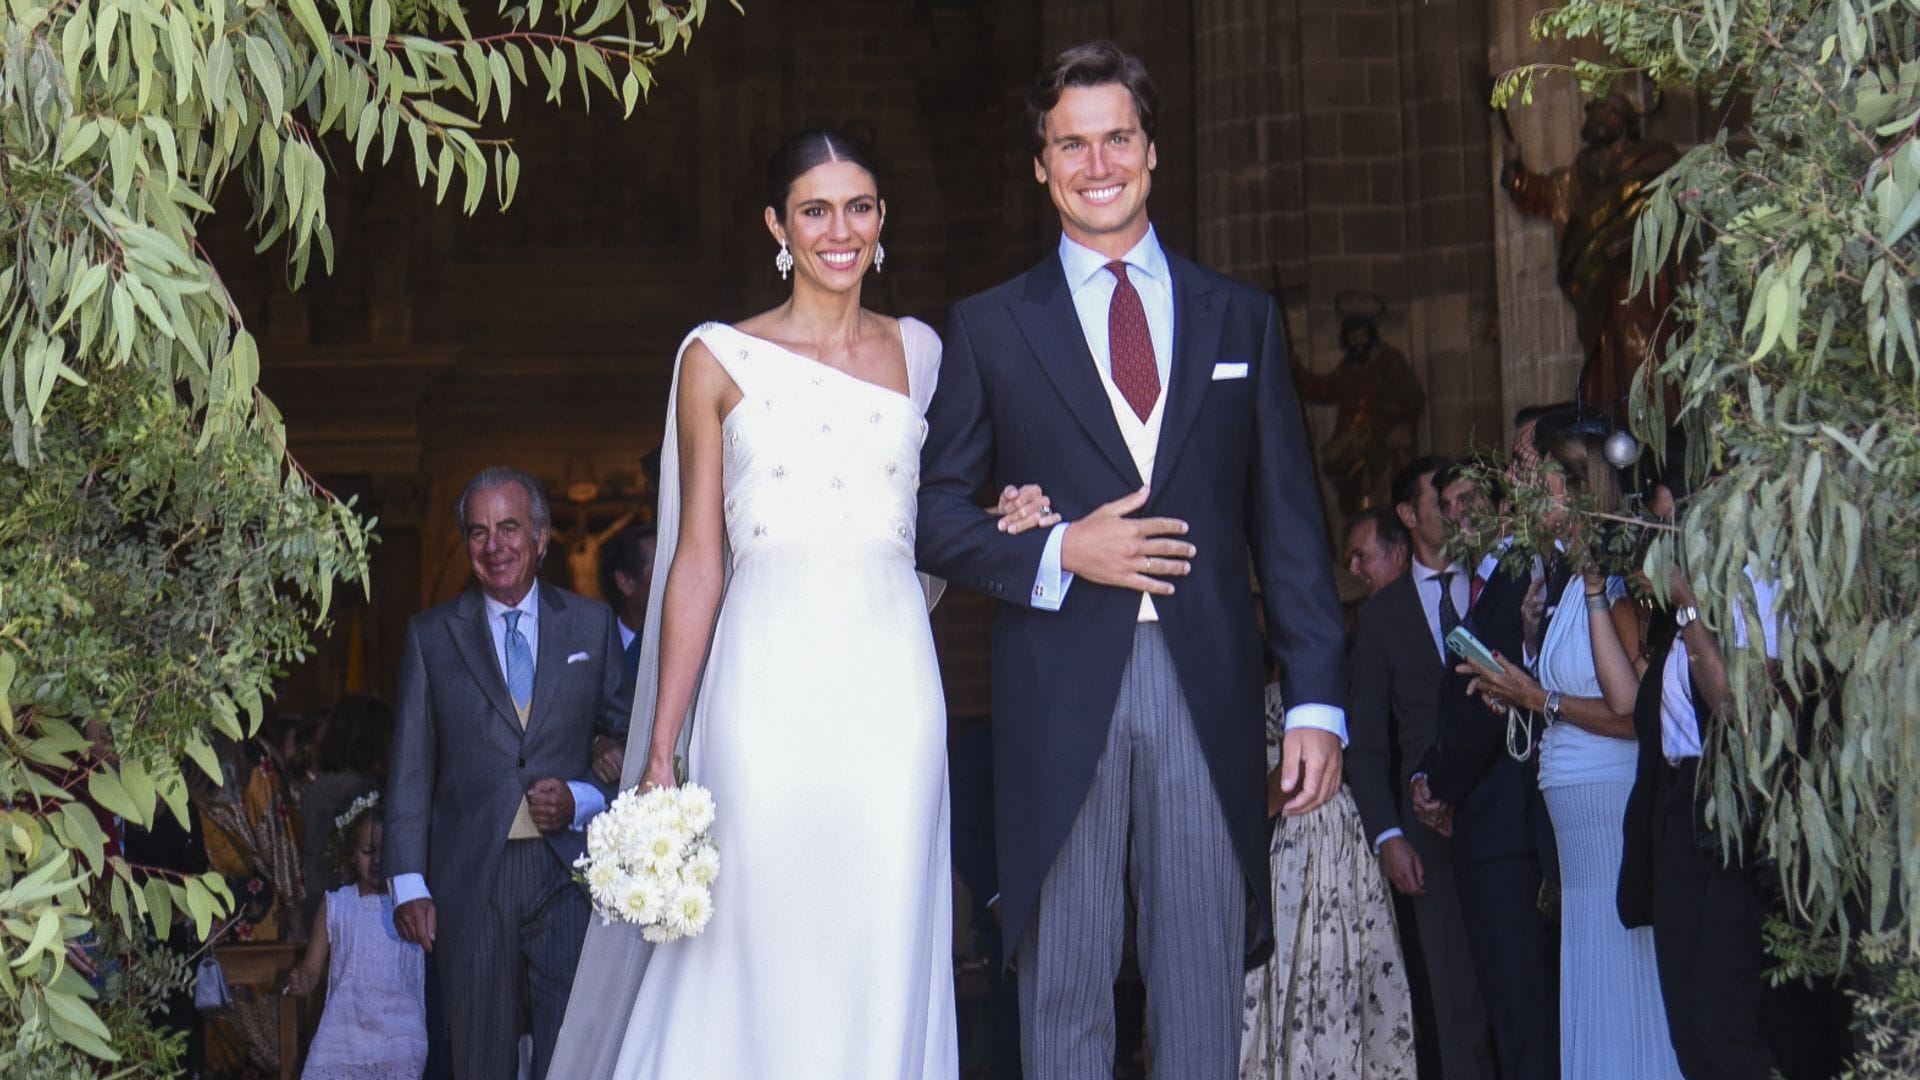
(806, 149)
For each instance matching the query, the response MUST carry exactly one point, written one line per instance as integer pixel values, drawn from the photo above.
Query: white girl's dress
(375, 1023)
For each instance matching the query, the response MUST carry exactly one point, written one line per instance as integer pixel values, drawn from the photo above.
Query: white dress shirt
(1426, 583)
(587, 799)
(1679, 726)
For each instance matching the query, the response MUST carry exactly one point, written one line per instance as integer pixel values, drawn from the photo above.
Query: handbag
(211, 994)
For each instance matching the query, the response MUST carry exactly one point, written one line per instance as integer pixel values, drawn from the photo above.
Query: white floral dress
(1333, 1003)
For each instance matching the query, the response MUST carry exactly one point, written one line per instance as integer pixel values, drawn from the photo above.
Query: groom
(1127, 667)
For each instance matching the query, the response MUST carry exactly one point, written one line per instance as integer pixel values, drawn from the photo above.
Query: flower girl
(375, 1023)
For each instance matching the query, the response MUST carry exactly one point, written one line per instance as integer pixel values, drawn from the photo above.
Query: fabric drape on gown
(832, 581)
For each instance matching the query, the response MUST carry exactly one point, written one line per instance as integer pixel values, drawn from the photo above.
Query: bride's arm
(697, 574)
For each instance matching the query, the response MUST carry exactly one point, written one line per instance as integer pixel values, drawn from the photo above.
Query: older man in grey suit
(501, 692)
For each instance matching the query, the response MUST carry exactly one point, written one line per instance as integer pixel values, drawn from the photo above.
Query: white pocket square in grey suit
(1230, 370)
(577, 657)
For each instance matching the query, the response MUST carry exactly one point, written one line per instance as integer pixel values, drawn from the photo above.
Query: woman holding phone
(1612, 1024)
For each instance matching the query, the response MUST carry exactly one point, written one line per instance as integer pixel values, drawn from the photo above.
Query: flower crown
(360, 806)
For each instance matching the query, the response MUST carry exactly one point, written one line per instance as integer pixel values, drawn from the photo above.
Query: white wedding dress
(820, 728)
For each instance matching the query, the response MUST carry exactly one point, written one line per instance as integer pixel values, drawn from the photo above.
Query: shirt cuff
(587, 801)
(1390, 834)
(407, 888)
(1050, 584)
(1320, 718)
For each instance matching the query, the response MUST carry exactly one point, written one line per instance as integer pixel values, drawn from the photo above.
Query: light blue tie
(519, 662)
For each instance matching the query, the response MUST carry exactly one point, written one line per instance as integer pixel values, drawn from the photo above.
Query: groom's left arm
(1287, 535)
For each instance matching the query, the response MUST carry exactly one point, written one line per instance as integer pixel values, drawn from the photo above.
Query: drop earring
(783, 262)
(879, 256)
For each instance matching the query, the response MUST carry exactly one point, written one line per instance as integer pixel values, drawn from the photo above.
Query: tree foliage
(1798, 372)
(162, 557)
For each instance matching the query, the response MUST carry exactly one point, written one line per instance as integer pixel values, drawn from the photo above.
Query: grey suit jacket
(1397, 676)
(461, 761)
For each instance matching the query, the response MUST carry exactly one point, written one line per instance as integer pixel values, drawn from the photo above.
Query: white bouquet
(651, 862)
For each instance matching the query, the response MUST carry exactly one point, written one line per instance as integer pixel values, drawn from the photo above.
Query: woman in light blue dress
(1612, 1023)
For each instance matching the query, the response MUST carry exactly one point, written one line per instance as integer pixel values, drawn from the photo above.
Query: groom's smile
(1098, 166)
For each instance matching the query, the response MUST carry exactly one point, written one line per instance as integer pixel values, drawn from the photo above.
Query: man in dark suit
(1471, 788)
(1128, 723)
(626, 580)
(1399, 663)
(501, 690)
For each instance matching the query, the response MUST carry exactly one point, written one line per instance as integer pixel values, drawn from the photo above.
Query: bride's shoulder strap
(729, 346)
(923, 359)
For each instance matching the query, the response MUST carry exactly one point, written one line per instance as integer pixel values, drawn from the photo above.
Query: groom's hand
(550, 804)
(609, 757)
(1128, 553)
(417, 921)
(1309, 769)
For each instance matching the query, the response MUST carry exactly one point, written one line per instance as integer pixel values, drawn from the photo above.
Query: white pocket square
(577, 657)
(1235, 370)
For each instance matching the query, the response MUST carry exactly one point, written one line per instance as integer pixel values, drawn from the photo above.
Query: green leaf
(106, 789)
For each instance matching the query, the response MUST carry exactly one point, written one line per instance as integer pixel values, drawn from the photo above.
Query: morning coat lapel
(474, 641)
(1046, 316)
(1196, 341)
(552, 660)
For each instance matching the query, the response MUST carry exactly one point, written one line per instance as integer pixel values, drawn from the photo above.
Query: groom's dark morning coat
(1020, 401)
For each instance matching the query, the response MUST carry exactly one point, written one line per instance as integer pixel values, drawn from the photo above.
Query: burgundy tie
(1130, 346)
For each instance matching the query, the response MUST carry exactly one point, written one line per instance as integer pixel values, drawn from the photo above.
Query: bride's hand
(1023, 508)
(658, 774)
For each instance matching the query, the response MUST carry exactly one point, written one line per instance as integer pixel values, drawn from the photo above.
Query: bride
(789, 632)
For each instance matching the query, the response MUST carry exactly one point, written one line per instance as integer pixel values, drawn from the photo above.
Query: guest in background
(1376, 547)
(1399, 664)
(1488, 801)
(375, 1023)
(1706, 912)
(626, 580)
(1333, 999)
(1612, 1024)
(251, 824)
(350, 757)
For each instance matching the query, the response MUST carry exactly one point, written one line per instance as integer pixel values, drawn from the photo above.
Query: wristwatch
(1685, 615)
(1552, 707)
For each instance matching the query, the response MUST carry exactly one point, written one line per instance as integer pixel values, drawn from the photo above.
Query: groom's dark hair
(1092, 63)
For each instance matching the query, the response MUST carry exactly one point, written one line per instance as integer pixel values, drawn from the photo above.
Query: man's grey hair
(501, 476)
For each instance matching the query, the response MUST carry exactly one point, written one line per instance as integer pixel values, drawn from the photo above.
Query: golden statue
(1377, 404)
(1593, 204)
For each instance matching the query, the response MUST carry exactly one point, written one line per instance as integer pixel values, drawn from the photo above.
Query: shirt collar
(1081, 262)
(527, 605)
(1422, 575)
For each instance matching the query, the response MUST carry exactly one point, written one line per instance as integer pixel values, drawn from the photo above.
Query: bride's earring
(879, 256)
(783, 262)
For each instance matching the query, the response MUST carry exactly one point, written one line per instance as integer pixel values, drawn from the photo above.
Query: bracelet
(1598, 603)
(1593, 595)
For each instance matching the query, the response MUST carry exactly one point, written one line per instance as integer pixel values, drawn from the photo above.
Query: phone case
(1468, 647)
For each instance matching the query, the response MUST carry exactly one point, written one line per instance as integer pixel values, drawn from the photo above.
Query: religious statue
(582, 545)
(1593, 204)
(1378, 403)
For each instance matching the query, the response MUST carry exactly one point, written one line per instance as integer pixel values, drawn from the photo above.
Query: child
(375, 1023)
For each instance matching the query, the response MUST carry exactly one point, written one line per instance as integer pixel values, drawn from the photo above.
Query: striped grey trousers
(1152, 823)
(535, 923)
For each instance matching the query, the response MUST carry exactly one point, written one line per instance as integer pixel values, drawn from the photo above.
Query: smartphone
(1468, 647)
